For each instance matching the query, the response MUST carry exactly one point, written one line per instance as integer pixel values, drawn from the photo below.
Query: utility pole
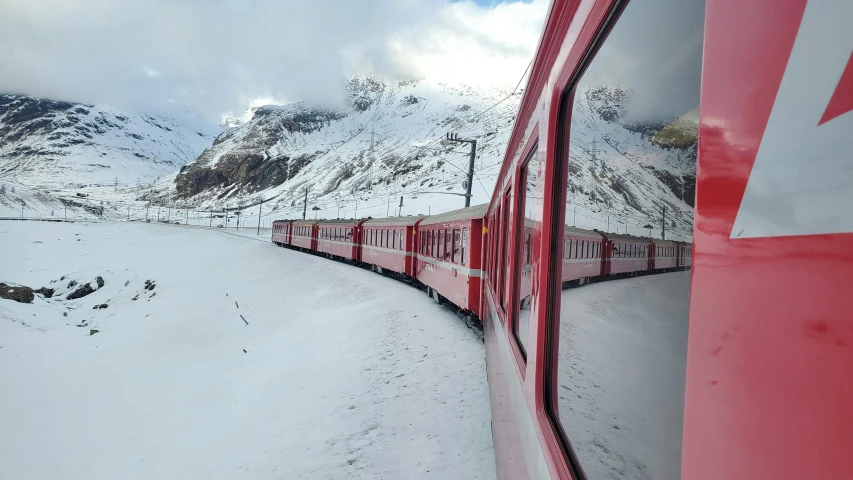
(400, 212)
(356, 209)
(575, 217)
(663, 224)
(594, 152)
(260, 205)
(187, 220)
(608, 223)
(211, 217)
(388, 208)
(116, 184)
(305, 204)
(128, 213)
(452, 137)
(146, 211)
(372, 159)
(65, 208)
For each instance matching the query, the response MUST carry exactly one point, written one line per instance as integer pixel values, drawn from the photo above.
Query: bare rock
(100, 307)
(45, 292)
(81, 292)
(93, 331)
(100, 282)
(18, 293)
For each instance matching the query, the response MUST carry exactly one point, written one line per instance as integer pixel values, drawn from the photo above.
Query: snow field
(346, 374)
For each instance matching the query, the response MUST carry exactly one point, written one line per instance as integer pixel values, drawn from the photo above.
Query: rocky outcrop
(45, 292)
(18, 293)
(82, 291)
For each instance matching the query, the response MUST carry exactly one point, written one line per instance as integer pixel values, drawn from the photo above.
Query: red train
(609, 382)
(444, 253)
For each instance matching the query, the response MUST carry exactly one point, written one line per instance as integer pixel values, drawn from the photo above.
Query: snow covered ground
(340, 373)
(623, 352)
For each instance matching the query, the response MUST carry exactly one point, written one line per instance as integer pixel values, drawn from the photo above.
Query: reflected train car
(626, 254)
(583, 254)
(664, 255)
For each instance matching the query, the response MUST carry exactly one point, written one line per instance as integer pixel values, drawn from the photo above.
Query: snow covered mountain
(388, 143)
(55, 143)
(622, 174)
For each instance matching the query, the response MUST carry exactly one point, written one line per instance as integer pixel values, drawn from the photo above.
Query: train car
(626, 254)
(664, 254)
(685, 255)
(582, 255)
(599, 382)
(281, 232)
(449, 257)
(340, 238)
(388, 244)
(304, 234)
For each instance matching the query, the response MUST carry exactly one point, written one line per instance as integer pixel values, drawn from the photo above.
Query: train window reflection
(621, 330)
(526, 204)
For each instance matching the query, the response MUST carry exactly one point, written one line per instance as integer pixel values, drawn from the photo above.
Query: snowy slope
(54, 143)
(623, 354)
(346, 374)
(630, 171)
(283, 150)
(622, 174)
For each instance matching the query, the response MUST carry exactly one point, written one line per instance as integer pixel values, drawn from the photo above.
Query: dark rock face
(18, 293)
(100, 282)
(100, 307)
(45, 292)
(244, 157)
(93, 331)
(81, 292)
(240, 156)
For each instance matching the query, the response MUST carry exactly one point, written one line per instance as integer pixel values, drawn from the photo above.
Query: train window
(505, 245)
(524, 279)
(617, 349)
(447, 244)
(457, 235)
(464, 244)
(495, 230)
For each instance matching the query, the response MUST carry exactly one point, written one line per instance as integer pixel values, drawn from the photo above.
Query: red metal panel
(770, 346)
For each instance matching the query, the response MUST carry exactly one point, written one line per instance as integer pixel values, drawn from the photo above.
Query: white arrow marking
(802, 179)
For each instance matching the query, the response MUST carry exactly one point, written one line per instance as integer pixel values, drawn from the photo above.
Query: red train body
(619, 386)
(449, 256)
(304, 234)
(664, 255)
(388, 244)
(584, 252)
(340, 238)
(281, 230)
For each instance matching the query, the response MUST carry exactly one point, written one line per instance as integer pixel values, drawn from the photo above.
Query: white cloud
(220, 56)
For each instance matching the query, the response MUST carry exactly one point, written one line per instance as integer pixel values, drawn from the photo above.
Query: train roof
(282, 220)
(306, 222)
(627, 238)
(403, 221)
(343, 221)
(477, 211)
(583, 232)
(658, 241)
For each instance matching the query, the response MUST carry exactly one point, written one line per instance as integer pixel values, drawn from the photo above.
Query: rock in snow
(18, 293)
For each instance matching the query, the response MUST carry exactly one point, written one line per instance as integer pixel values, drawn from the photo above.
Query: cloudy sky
(217, 56)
